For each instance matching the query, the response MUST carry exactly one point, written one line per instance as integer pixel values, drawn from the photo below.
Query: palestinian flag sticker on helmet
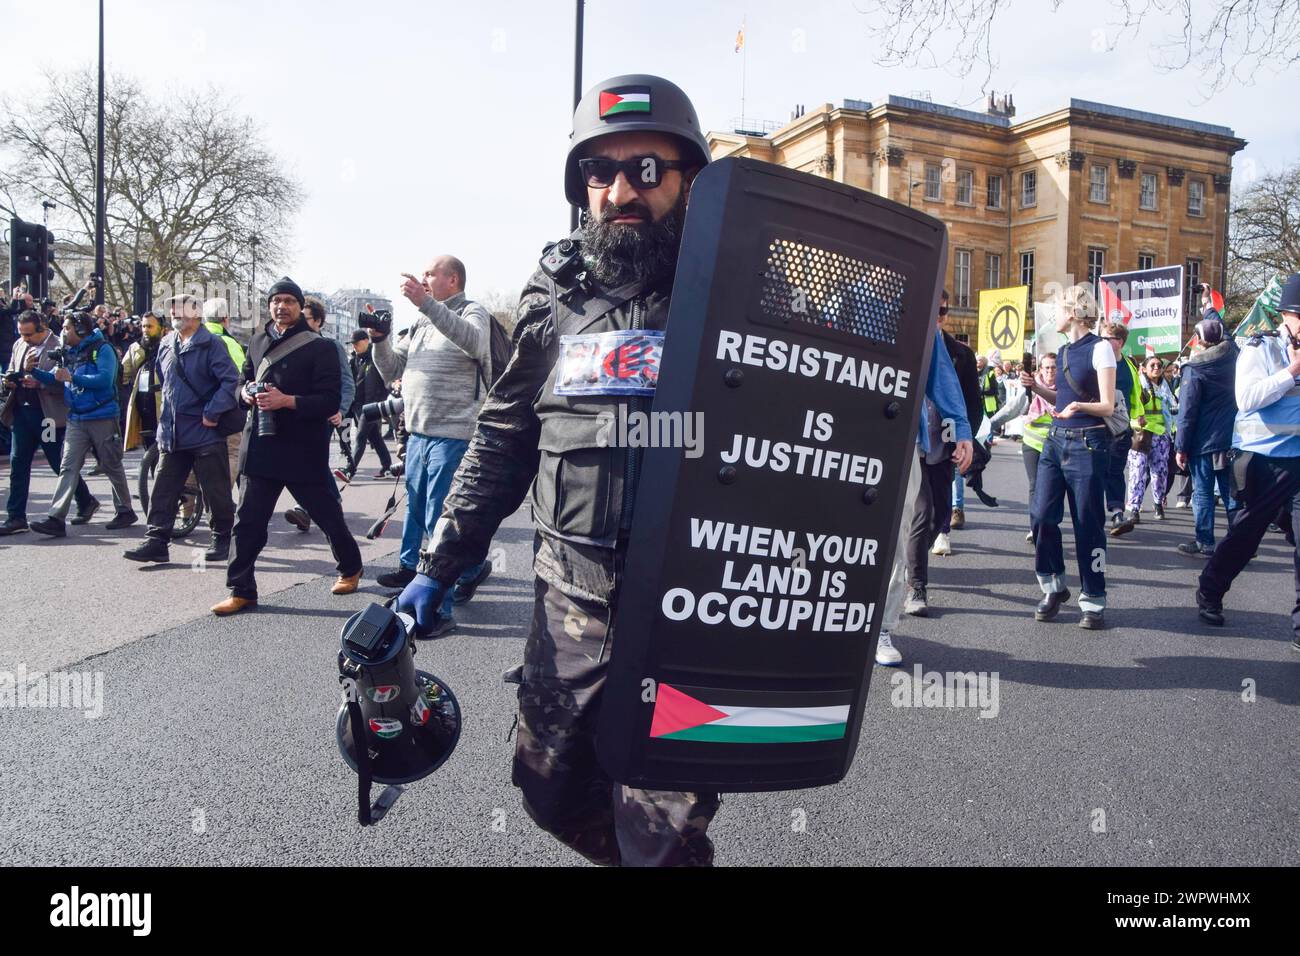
(385, 727)
(384, 693)
(624, 99)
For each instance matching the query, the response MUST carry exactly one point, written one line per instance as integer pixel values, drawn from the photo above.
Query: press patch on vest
(609, 363)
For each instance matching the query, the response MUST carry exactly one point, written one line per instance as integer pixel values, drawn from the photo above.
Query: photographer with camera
(143, 384)
(199, 382)
(370, 389)
(314, 313)
(88, 368)
(441, 364)
(292, 382)
(29, 409)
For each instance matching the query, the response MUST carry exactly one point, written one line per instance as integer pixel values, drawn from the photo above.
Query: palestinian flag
(1263, 315)
(625, 99)
(757, 717)
(1113, 308)
(385, 727)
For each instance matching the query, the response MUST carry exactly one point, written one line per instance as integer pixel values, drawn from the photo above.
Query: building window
(1027, 270)
(961, 279)
(1192, 288)
(1097, 183)
(1147, 197)
(933, 182)
(1096, 265)
(965, 187)
(1146, 260)
(992, 271)
(1029, 188)
(1195, 197)
(994, 200)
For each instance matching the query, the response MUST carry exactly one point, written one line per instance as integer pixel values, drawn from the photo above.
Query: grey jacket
(53, 405)
(439, 363)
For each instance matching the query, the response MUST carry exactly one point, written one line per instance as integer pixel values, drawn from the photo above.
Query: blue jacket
(212, 374)
(943, 388)
(1207, 400)
(92, 393)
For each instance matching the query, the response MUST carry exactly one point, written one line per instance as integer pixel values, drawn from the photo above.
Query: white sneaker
(886, 654)
(1029, 536)
(941, 545)
(1180, 503)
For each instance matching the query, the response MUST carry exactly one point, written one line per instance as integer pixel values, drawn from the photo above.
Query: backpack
(498, 355)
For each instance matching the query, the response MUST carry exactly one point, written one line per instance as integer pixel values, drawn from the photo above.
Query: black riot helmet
(1290, 298)
(632, 103)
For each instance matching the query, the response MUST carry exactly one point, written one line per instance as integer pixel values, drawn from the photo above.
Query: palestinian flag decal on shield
(385, 727)
(624, 99)
(735, 717)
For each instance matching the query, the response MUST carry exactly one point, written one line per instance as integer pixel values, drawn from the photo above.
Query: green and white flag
(1263, 315)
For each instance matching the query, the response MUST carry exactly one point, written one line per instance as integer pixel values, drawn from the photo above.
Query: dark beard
(619, 253)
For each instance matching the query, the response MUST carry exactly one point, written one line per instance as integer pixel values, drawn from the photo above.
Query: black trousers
(933, 505)
(1030, 458)
(1271, 486)
(565, 790)
(209, 466)
(1115, 465)
(368, 433)
(257, 500)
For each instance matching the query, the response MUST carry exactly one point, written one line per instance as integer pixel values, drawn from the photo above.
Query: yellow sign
(1002, 321)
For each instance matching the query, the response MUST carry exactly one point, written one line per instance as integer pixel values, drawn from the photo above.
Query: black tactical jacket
(583, 491)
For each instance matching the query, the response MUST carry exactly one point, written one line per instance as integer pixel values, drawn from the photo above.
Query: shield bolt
(870, 495)
(892, 410)
(727, 474)
(734, 378)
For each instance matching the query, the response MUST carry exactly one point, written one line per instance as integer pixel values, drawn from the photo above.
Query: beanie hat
(285, 286)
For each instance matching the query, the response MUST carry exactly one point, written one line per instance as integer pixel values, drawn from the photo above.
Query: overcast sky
(425, 127)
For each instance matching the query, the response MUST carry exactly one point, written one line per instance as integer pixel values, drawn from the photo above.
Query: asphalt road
(1131, 746)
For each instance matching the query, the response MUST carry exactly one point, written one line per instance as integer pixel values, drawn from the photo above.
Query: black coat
(370, 384)
(963, 360)
(300, 449)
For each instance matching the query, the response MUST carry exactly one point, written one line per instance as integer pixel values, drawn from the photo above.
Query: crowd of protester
(1098, 431)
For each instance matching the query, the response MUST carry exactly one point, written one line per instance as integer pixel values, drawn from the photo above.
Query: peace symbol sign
(1002, 327)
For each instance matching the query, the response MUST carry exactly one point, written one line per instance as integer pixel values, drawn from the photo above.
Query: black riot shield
(799, 339)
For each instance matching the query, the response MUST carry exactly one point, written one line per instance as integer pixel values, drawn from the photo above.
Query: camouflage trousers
(565, 791)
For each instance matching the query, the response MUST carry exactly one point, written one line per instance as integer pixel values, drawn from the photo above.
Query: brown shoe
(346, 585)
(958, 519)
(232, 605)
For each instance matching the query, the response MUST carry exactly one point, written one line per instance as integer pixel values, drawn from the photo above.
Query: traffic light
(25, 239)
(46, 261)
(142, 289)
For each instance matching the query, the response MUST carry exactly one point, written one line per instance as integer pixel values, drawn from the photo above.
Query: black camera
(265, 419)
(380, 321)
(389, 408)
(59, 356)
(13, 379)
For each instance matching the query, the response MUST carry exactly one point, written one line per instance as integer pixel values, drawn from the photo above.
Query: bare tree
(1225, 41)
(502, 306)
(1263, 236)
(188, 181)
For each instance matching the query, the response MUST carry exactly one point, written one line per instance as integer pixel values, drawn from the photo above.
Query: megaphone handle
(361, 745)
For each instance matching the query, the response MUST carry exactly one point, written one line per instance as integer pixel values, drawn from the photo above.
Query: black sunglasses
(943, 310)
(642, 172)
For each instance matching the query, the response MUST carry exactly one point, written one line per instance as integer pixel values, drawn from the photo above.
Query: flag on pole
(1263, 315)
(740, 39)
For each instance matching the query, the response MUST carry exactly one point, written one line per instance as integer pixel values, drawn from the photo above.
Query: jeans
(1074, 466)
(213, 472)
(431, 464)
(958, 490)
(1272, 484)
(1121, 445)
(28, 435)
(1204, 481)
(104, 435)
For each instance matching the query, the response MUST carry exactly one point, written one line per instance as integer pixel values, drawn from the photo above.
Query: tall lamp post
(257, 307)
(99, 170)
(577, 85)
